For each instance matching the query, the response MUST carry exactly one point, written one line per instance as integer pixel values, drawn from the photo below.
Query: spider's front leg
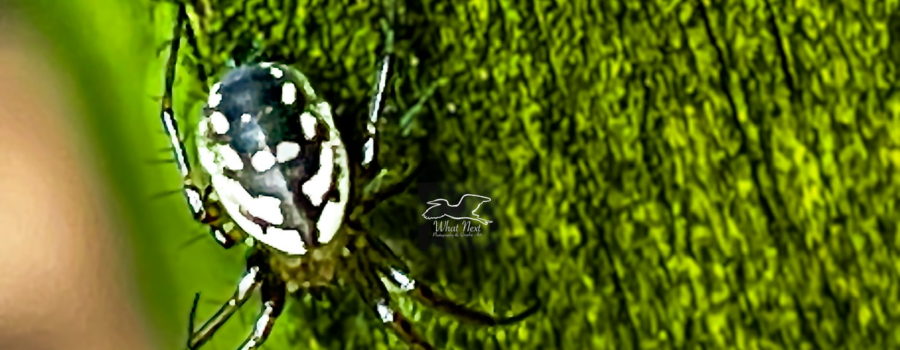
(380, 187)
(273, 300)
(202, 203)
(273, 296)
(248, 284)
(370, 146)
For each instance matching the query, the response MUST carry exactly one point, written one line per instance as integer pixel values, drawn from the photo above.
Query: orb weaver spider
(275, 174)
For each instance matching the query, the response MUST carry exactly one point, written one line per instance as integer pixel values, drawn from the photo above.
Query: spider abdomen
(274, 157)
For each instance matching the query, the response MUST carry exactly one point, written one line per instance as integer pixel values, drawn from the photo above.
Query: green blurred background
(666, 174)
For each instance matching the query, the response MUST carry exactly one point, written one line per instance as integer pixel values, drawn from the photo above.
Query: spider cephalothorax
(275, 174)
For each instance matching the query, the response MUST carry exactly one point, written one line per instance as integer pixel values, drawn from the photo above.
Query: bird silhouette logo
(464, 209)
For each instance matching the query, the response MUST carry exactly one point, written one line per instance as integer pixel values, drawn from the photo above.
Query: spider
(275, 174)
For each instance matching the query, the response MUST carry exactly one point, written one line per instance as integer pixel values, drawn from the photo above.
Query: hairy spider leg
(202, 207)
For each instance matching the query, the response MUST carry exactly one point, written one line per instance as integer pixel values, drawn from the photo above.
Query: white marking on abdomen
(230, 157)
(262, 160)
(318, 185)
(286, 151)
(277, 73)
(233, 196)
(333, 213)
(308, 123)
(219, 123)
(266, 208)
(329, 221)
(287, 240)
(288, 93)
(214, 96)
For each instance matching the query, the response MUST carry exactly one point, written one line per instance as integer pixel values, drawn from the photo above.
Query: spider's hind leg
(392, 267)
(377, 296)
(424, 294)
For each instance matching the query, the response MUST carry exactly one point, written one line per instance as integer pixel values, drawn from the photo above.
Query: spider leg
(249, 282)
(202, 207)
(424, 294)
(375, 294)
(191, 193)
(400, 324)
(385, 184)
(370, 146)
(427, 296)
(386, 191)
(273, 294)
(382, 188)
